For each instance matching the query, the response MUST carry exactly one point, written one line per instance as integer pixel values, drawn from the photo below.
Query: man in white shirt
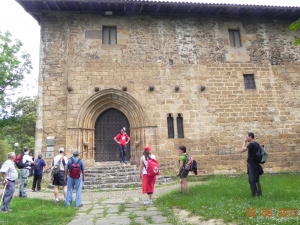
(9, 175)
(24, 173)
(59, 179)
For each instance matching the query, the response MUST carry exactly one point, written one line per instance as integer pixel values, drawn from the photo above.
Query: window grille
(170, 122)
(180, 126)
(249, 81)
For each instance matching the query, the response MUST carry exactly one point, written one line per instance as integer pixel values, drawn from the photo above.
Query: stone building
(194, 74)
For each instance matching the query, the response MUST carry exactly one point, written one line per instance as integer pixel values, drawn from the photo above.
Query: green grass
(229, 198)
(37, 211)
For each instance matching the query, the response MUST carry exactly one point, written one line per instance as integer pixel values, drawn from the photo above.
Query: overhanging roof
(136, 7)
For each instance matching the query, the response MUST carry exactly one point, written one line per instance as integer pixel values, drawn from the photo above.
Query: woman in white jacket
(147, 181)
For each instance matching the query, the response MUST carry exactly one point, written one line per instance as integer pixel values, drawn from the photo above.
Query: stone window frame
(179, 120)
(249, 81)
(235, 37)
(109, 29)
(170, 124)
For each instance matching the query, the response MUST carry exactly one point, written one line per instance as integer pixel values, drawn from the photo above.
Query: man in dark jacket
(254, 169)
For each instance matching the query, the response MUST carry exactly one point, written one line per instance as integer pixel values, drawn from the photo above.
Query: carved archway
(97, 104)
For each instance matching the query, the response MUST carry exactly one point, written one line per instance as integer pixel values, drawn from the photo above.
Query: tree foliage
(14, 64)
(295, 26)
(20, 126)
(4, 150)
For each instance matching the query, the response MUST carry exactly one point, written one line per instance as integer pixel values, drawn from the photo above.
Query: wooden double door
(107, 126)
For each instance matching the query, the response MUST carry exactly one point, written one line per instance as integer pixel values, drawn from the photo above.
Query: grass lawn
(37, 211)
(229, 198)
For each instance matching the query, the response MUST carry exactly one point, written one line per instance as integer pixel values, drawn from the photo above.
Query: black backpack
(190, 164)
(261, 154)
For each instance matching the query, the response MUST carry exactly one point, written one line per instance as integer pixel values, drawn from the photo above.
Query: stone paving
(113, 206)
(118, 212)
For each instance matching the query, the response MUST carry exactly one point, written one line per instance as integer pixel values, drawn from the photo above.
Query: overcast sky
(23, 27)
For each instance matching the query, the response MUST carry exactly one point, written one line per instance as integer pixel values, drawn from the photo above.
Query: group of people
(62, 178)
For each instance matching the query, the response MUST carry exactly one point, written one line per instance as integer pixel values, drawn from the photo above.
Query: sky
(24, 28)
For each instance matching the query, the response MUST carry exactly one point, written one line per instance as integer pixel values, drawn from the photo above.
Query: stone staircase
(116, 175)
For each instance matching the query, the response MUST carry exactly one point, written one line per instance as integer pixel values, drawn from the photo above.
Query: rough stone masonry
(80, 78)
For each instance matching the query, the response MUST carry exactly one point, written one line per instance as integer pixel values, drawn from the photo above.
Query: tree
(295, 26)
(13, 65)
(20, 126)
(4, 150)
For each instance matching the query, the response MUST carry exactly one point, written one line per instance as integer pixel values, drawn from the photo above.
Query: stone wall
(74, 62)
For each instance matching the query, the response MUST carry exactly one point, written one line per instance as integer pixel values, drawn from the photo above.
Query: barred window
(109, 35)
(170, 122)
(249, 81)
(180, 126)
(235, 38)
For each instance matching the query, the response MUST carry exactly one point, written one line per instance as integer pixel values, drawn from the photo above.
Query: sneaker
(150, 202)
(79, 206)
(56, 200)
(124, 164)
(33, 190)
(4, 211)
(146, 202)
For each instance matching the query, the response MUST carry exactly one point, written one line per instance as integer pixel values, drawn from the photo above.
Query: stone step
(116, 175)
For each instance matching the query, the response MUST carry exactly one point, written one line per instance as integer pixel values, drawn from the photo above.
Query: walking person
(38, 167)
(254, 169)
(122, 139)
(59, 178)
(9, 175)
(74, 174)
(147, 181)
(182, 173)
(24, 172)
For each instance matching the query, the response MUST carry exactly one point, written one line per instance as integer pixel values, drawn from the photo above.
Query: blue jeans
(24, 173)
(8, 194)
(78, 187)
(122, 153)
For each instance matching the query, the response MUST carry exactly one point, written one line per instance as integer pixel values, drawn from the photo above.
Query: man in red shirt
(122, 139)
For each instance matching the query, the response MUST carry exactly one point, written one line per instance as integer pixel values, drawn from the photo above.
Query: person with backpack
(122, 139)
(38, 167)
(182, 173)
(24, 172)
(74, 174)
(254, 169)
(148, 180)
(9, 175)
(59, 162)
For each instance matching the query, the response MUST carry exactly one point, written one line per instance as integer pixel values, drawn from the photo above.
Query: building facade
(193, 74)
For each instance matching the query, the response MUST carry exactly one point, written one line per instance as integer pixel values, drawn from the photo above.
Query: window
(235, 38)
(180, 126)
(249, 81)
(109, 35)
(170, 122)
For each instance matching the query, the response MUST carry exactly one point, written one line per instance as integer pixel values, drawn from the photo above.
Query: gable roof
(157, 7)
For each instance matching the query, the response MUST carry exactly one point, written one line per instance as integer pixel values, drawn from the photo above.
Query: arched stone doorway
(82, 135)
(107, 126)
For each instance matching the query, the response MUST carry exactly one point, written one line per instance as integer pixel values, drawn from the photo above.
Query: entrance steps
(116, 175)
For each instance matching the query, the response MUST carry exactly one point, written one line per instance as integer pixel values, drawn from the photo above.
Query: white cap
(61, 150)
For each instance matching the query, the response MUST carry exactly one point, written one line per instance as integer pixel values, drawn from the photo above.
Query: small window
(249, 81)
(235, 38)
(109, 35)
(180, 126)
(170, 122)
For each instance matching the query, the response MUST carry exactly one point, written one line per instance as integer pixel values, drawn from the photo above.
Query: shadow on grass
(37, 211)
(229, 198)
